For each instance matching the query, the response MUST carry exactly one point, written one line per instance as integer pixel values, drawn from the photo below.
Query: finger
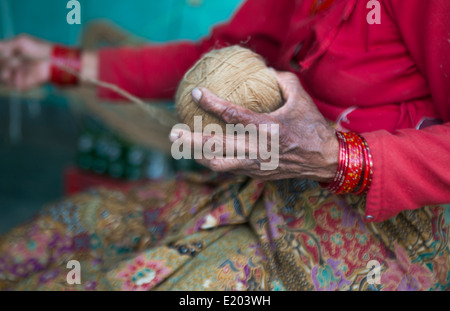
(288, 82)
(292, 92)
(5, 75)
(210, 146)
(225, 110)
(217, 145)
(12, 82)
(7, 50)
(226, 165)
(17, 79)
(26, 80)
(187, 138)
(201, 146)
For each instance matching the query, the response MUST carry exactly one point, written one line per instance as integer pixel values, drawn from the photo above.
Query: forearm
(152, 71)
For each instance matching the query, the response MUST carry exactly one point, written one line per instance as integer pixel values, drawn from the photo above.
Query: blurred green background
(39, 137)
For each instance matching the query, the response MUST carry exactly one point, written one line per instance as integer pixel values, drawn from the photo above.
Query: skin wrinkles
(308, 147)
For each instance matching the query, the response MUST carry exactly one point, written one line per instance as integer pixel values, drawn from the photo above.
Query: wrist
(89, 66)
(332, 158)
(325, 171)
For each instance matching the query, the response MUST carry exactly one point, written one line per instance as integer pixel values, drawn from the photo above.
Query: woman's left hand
(307, 145)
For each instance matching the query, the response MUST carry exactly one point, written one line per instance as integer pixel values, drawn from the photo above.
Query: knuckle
(292, 76)
(289, 76)
(230, 115)
(22, 39)
(205, 139)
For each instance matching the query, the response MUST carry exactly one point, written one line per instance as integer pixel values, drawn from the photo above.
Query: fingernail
(196, 94)
(174, 135)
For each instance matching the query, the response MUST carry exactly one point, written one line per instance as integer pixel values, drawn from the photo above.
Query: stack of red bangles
(355, 167)
(65, 65)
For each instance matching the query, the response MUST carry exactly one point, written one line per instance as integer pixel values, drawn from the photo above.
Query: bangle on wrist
(368, 169)
(65, 64)
(355, 165)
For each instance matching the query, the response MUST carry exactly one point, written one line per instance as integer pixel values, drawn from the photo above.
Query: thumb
(223, 109)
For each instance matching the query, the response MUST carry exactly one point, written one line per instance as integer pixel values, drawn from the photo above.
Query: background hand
(24, 62)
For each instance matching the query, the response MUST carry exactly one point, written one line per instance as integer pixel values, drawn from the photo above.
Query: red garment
(372, 79)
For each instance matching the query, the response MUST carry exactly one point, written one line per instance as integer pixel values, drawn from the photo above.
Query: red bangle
(368, 170)
(343, 162)
(65, 62)
(355, 166)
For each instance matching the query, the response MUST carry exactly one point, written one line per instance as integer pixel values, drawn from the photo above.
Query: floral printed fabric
(222, 232)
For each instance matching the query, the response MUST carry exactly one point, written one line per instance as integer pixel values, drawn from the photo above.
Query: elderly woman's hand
(307, 145)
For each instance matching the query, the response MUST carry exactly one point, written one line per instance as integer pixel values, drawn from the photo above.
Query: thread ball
(235, 74)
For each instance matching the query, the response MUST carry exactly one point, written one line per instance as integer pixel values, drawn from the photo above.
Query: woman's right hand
(24, 62)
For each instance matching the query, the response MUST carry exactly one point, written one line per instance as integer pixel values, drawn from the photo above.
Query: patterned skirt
(222, 232)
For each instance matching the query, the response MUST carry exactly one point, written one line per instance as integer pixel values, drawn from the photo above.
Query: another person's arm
(152, 71)
(25, 62)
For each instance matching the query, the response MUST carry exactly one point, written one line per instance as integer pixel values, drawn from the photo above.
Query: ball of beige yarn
(235, 74)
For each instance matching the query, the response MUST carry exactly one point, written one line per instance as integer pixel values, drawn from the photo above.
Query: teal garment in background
(154, 20)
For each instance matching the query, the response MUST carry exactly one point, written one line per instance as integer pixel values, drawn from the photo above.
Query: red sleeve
(411, 170)
(154, 71)
(412, 167)
(425, 29)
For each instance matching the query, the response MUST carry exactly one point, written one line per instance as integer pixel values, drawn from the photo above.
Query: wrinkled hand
(307, 145)
(24, 62)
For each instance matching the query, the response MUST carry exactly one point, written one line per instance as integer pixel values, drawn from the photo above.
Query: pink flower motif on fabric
(402, 275)
(143, 274)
